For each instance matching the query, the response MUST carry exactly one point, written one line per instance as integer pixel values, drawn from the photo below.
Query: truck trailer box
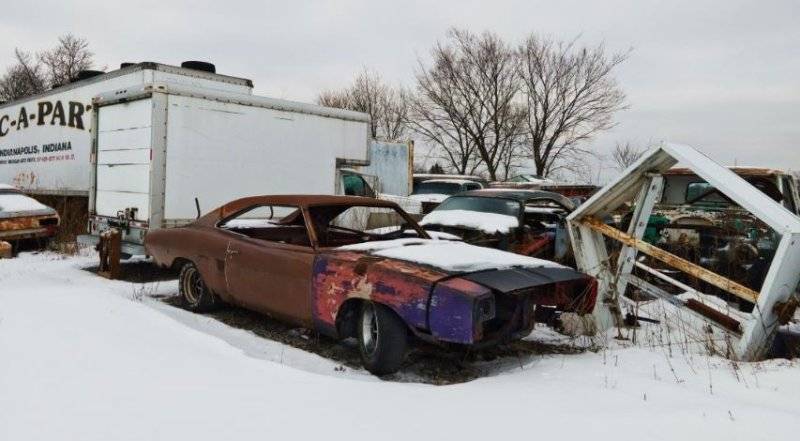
(45, 139)
(164, 152)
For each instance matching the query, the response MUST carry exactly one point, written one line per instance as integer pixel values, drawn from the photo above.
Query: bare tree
(625, 154)
(25, 77)
(54, 67)
(63, 62)
(465, 101)
(385, 104)
(571, 95)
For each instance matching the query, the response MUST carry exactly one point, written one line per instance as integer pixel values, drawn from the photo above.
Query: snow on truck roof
(145, 65)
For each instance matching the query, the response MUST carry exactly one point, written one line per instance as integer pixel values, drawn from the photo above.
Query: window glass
(508, 207)
(438, 188)
(354, 185)
(472, 186)
(703, 192)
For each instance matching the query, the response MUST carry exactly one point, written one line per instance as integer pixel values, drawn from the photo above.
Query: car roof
(451, 181)
(519, 195)
(304, 200)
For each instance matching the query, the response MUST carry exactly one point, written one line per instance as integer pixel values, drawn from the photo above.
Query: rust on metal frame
(672, 260)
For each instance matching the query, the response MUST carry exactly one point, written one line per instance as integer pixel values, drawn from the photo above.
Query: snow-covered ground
(83, 358)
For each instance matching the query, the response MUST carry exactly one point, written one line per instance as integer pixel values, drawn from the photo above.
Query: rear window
(508, 207)
(438, 188)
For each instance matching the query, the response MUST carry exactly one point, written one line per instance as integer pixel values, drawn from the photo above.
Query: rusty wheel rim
(369, 329)
(192, 286)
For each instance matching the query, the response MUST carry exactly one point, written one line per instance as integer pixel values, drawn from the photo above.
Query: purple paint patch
(452, 311)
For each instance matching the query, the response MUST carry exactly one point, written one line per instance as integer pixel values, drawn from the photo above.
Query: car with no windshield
(528, 222)
(359, 267)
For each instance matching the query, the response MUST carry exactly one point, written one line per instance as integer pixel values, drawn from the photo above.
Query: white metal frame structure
(642, 184)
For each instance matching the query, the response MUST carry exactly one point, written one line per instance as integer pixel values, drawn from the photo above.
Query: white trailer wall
(217, 151)
(45, 140)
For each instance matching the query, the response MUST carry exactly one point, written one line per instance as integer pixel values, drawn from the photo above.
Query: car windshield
(508, 207)
(337, 225)
(438, 188)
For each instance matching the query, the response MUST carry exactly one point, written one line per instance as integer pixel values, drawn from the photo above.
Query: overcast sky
(721, 76)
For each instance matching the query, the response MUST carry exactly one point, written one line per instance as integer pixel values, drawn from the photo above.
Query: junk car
(22, 217)
(360, 267)
(432, 192)
(696, 221)
(528, 222)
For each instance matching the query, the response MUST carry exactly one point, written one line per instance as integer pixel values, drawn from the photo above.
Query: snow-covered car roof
(450, 181)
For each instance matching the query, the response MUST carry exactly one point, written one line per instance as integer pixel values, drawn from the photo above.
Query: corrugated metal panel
(123, 158)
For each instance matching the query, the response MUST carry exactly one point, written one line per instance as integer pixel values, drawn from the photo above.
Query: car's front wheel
(194, 292)
(382, 339)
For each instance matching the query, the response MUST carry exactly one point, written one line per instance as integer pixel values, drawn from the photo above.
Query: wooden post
(672, 260)
(5, 250)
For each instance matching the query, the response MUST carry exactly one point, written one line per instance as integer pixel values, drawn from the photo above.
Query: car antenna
(197, 205)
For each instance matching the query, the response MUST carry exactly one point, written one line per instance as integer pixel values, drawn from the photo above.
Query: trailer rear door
(123, 158)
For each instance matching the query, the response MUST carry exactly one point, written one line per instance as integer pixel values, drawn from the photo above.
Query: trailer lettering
(22, 118)
(76, 115)
(45, 108)
(58, 114)
(65, 114)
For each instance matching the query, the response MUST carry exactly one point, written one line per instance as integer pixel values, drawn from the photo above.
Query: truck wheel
(382, 339)
(194, 292)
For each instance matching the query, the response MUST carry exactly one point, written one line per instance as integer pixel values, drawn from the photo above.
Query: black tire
(195, 294)
(382, 339)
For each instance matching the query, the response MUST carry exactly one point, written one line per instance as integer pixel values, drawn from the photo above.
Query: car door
(270, 276)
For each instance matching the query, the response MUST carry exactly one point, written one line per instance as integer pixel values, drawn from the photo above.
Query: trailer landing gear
(109, 250)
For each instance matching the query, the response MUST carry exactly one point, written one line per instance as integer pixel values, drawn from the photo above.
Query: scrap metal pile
(734, 263)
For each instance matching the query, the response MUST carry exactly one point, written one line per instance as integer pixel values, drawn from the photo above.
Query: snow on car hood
(448, 255)
(433, 197)
(19, 204)
(489, 223)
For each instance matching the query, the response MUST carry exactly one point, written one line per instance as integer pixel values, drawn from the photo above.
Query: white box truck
(45, 139)
(160, 150)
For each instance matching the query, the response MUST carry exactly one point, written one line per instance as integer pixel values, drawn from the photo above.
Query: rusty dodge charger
(363, 268)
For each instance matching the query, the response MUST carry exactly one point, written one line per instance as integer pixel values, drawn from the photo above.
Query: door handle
(233, 252)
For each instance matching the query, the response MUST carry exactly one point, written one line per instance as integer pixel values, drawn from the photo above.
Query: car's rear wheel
(382, 339)
(194, 292)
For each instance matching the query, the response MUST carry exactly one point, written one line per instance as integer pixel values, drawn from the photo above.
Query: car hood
(449, 256)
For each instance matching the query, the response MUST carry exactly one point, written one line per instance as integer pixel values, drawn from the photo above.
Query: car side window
(274, 223)
(355, 185)
(472, 186)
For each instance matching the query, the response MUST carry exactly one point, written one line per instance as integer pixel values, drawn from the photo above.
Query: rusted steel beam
(672, 260)
(725, 321)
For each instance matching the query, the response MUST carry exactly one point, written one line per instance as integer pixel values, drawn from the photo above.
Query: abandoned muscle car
(359, 267)
(527, 222)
